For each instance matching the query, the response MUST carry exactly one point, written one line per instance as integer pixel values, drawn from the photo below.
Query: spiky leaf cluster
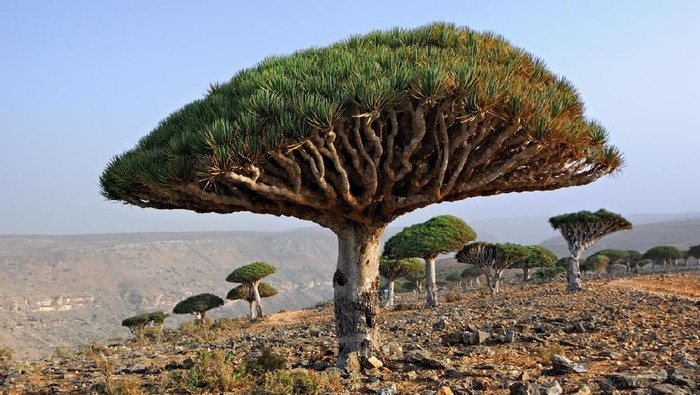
(396, 102)
(438, 235)
(250, 273)
(143, 319)
(198, 304)
(584, 217)
(661, 253)
(537, 256)
(694, 251)
(242, 292)
(391, 269)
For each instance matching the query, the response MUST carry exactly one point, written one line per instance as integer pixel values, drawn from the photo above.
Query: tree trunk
(497, 285)
(390, 298)
(430, 287)
(526, 274)
(573, 273)
(256, 310)
(355, 286)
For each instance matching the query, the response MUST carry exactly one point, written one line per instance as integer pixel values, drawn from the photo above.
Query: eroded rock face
(634, 342)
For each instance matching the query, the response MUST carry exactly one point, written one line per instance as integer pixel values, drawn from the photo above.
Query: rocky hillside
(66, 290)
(633, 335)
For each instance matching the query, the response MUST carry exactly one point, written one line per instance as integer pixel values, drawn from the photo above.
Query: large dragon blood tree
(353, 135)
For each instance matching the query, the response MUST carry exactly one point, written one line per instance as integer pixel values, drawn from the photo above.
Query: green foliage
(299, 382)
(282, 100)
(267, 361)
(694, 251)
(471, 272)
(452, 277)
(200, 304)
(138, 323)
(562, 262)
(250, 273)
(595, 263)
(663, 253)
(537, 256)
(242, 292)
(438, 235)
(213, 370)
(583, 218)
(615, 256)
(548, 272)
(391, 269)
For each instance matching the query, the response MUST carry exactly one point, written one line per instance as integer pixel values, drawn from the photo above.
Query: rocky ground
(633, 335)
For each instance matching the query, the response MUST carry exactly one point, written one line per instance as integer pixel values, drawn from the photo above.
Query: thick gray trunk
(526, 274)
(256, 310)
(390, 298)
(430, 287)
(573, 273)
(355, 286)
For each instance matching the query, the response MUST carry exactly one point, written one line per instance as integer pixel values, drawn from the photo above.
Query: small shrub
(545, 353)
(5, 356)
(213, 370)
(405, 307)
(268, 361)
(454, 295)
(299, 382)
(548, 273)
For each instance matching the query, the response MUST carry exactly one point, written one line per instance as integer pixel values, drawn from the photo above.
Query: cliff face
(65, 290)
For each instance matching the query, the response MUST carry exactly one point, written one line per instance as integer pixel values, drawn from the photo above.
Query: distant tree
(663, 255)
(416, 280)
(694, 251)
(138, 323)
(595, 263)
(251, 275)
(615, 257)
(393, 269)
(492, 260)
(427, 240)
(537, 256)
(549, 272)
(632, 261)
(243, 292)
(198, 305)
(472, 273)
(581, 230)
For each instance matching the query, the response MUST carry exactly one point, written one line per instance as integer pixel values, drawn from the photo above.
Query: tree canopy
(438, 235)
(198, 304)
(694, 251)
(291, 135)
(242, 292)
(391, 269)
(250, 273)
(662, 253)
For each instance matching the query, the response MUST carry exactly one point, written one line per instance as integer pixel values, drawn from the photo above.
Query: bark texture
(355, 286)
(430, 286)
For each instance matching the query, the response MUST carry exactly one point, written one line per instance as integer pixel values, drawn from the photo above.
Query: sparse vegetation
(137, 324)
(393, 269)
(663, 255)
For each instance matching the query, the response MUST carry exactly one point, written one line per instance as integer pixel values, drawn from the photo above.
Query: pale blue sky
(81, 81)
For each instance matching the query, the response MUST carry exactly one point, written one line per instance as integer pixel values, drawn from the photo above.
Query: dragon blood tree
(492, 259)
(392, 269)
(353, 135)
(198, 305)
(251, 275)
(537, 256)
(427, 240)
(245, 292)
(581, 230)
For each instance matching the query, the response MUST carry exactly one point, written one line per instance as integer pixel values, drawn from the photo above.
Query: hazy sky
(81, 81)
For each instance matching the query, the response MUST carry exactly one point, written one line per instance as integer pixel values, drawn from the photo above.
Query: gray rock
(667, 389)
(635, 380)
(478, 337)
(520, 388)
(563, 365)
(387, 390)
